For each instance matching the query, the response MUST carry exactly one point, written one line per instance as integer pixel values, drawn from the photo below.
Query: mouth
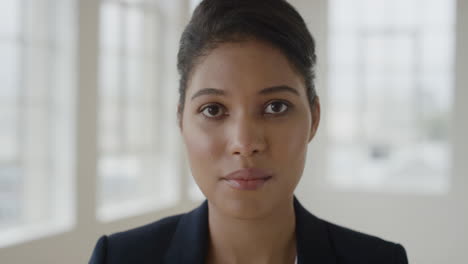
(247, 179)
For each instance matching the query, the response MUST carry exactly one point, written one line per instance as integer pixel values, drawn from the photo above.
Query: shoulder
(175, 239)
(162, 229)
(138, 245)
(351, 246)
(324, 242)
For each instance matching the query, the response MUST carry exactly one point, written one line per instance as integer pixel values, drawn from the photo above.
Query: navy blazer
(183, 239)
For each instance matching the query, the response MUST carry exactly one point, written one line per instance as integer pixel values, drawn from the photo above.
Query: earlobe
(315, 118)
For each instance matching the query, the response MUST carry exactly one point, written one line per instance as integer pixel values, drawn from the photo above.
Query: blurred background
(89, 143)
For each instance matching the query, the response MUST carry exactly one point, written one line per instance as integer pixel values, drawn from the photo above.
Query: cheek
(297, 145)
(291, 152)
(201, 144)
(203, 149)
(197, 145)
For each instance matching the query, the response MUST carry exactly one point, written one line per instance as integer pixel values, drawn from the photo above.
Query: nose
(247, 137)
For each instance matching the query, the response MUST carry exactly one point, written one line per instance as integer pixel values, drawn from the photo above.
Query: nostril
(247, 152)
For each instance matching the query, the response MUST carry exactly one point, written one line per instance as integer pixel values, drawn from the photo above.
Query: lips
(247, 179)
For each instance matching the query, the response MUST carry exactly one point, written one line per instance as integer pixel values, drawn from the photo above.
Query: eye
(212, 111)
(276, 107)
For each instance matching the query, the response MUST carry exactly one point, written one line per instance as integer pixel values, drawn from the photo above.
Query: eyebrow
(268, 90)
(279, 88)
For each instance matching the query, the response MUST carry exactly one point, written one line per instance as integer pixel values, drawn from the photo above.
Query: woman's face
(246, 125)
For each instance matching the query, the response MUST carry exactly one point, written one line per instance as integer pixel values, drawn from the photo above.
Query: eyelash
(286, 103)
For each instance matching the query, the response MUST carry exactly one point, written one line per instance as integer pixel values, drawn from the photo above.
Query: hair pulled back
(275, 22)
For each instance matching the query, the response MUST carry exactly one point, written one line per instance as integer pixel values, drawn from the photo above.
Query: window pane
(193, 4)
(391, 94)
(111, 26)
(134, 36)
(8, 132)
(36, 117)
(9, 67)
(134, 167)
(9, 12)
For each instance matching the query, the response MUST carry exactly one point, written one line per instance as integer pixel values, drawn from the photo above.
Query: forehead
(244, 67)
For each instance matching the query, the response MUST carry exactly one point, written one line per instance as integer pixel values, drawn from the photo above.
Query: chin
(245, 206)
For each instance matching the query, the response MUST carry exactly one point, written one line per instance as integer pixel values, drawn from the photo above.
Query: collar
(190, 240)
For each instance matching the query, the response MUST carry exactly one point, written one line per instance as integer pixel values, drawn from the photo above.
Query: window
(194, 4)
(36, 117)
(390, 94)
(138, 162)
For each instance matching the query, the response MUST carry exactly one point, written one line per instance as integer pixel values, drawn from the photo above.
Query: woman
(247, 111)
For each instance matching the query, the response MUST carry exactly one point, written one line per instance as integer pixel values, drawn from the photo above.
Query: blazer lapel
(190, 240)
(313, 241)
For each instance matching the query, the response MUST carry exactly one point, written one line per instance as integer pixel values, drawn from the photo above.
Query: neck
(268, 239)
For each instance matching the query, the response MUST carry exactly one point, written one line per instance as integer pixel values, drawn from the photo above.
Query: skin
(242, 122)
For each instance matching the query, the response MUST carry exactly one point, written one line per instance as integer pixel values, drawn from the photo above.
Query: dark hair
(274, 21)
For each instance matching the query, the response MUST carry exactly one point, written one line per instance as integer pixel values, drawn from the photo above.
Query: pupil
(276, 107)
(213, 110)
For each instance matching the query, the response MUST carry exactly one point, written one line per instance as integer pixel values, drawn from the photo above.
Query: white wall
(433, 229)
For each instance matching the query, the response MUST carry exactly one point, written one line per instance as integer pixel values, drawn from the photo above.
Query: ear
(315, 117)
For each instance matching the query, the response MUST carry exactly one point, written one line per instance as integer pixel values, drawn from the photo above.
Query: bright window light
(390, 94)
(37, 72)
(137, 168)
